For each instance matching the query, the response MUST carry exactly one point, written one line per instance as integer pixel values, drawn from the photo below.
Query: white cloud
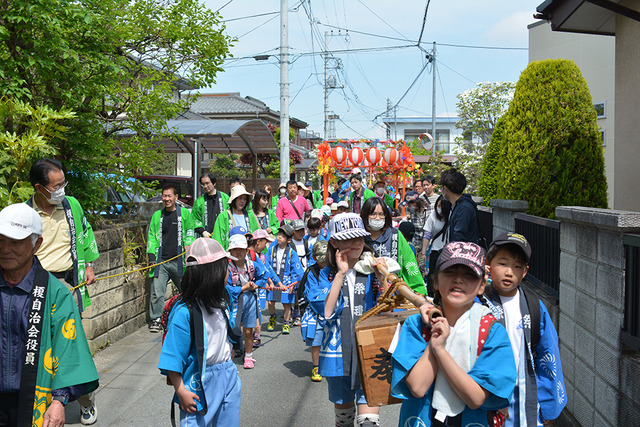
(511, 31)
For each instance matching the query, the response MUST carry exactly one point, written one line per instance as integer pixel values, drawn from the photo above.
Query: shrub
(487, 185)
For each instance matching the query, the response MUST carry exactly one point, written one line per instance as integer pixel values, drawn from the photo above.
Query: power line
(292, 9)
(385, 22)
(424, 21)
(451, 69)
(223, 6)
(405, 94)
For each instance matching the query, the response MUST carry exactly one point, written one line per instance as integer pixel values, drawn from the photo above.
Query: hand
(378, 264)
(291, 288)
(424, 313)
(341, 262)
(206, 234)
(90, 275)
(188, 400)
(54, 415)
(439, 333)
(252, 286)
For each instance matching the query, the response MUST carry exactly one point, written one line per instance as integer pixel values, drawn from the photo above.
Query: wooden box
(373, 338)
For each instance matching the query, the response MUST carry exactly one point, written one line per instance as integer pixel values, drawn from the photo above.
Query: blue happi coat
(293, 272)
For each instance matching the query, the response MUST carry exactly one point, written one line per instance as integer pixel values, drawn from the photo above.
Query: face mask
(376, 224)
(56, 196)
(380, 191)
(282, 191)
(439, 211)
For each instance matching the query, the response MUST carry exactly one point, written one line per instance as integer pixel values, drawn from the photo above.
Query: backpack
(302, 301)
(235, 274)
(166, 311)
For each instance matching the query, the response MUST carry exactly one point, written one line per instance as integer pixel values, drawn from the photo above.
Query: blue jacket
(463, 222)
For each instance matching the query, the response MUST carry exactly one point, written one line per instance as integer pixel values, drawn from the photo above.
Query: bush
(550, 149)
(487, 185)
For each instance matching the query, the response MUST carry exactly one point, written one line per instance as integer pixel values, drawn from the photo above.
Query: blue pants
(169, 270)
(222, 391)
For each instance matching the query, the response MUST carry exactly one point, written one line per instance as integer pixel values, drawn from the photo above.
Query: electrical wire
(224, 5)
(406, 92)
(451, 69)
(424, 21)
(385, 22)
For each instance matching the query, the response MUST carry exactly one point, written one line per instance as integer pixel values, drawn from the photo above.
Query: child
(314, 226)
(209, 396)
(297, 241)
(249, 276)
(539, 396)
(453, 369)
(257, 247)
(340, 296)
(311, 326)
(286, 264)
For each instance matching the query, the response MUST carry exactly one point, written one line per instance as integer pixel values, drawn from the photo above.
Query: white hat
(20, 221)
(343, 204)
(355, 171)
(238, 191)
(347, 226)
(316, 213)
(301, 185)
(334, 206)
(238, 241)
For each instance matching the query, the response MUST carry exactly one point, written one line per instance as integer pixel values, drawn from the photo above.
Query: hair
(292, 182)
(408, 230)
(445, 207)
(39, 173)
(429, 178)
(511, 248)
(355, 176)
(314, 223)
(170, 187)
(235, 180)
(34, 238)
(281, 231)
(269, 191)
(210, 176)
(232, 204)
(260, 194)
(331, 253)
(421, 203)
(205, 283)
(454, 180)
(370, 206)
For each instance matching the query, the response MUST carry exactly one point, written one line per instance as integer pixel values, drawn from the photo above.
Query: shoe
(249, 362)
(155, 326)
(315, 376)
(256, 342)
(296, 321)
(272, 323)
(285, 329)
(89, 415)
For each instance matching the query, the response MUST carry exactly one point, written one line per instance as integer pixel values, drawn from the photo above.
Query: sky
(374, 55)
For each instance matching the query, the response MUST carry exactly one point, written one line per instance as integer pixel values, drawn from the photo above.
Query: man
(46, 361)
(429, 186)
(359, 194)
(291, 206)
(170, 234)
(463, 220)
(68, 247)
(234, 181)
(380, 190)
(208, 206)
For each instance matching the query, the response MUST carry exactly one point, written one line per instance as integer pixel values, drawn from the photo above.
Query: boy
(463, 221)
(297, 241)
(286, 264)
(539, 396)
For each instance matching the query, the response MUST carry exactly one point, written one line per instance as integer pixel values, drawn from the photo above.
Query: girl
(265, 217)
(452, 370)
(208, 391)
(341, 295)
(236, 216)
(434, 236)
(249, 276)
(386, 241)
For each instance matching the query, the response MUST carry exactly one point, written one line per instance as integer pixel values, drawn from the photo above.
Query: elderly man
(44, 358)
(68, 247)
(292, 206)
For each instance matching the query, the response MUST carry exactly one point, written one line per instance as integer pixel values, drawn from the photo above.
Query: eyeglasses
(376, 215)
(58, 187)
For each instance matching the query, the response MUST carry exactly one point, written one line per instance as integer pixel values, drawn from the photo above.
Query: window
(601, 110)
(411, 134)
(443, 140)
(603, 137)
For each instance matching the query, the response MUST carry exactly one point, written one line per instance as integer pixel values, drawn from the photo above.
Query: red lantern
(356, 156)
(339, 154)
(390, 155)
(373, 156)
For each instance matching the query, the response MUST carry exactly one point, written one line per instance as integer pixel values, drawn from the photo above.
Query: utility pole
(433, 104)
(326, 87)
(284, 91)
(389, 114)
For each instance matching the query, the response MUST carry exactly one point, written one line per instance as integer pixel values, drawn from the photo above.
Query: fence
(631, 327)
(544, 237)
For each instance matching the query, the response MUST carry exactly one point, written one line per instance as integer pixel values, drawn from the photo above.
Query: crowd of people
(490, 359)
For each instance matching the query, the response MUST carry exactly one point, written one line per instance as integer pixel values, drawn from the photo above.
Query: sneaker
(272, 323)
(249, 362)
(256, 342)
(155, 326)
(89, 415)
(296, 321)
(285, 329)
(315, 376)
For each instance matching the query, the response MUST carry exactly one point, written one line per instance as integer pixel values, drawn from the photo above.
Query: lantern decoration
(366, 164)
(390, 155)
(339, 155)
(324, 166)
(373, 156)
(356, 156)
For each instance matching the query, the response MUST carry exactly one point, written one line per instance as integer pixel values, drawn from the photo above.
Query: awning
(584, 16)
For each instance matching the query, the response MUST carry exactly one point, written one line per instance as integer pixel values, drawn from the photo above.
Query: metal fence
(544, 237)
(631, 326)
(485, 221)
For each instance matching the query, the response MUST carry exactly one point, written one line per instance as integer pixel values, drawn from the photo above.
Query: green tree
(550, 149)
(478, 109)
(487, 184)
(116, 64)
(227, 166)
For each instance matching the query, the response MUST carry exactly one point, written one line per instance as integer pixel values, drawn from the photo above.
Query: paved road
(277, 392)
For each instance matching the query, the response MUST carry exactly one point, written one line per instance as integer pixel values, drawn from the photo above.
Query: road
(277, 392)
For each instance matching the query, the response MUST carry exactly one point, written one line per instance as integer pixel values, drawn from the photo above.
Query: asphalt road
(277, 392)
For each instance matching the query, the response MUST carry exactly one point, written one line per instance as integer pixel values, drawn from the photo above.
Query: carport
(217, 137)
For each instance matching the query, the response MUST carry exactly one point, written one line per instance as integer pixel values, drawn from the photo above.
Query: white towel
(365, 265)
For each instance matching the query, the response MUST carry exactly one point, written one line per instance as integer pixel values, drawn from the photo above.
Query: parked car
(184, 184)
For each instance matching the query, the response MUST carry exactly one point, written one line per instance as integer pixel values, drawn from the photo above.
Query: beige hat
(304, 187)
(238, 191)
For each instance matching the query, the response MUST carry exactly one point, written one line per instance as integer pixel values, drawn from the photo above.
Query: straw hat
(238, 191)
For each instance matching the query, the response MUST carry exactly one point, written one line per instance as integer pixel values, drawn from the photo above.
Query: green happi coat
(199, 212)
(225, 222)
(185, 235)
(84, 248)
(63, 355)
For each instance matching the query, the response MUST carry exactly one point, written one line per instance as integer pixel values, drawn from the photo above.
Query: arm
(410, 272)
(187, 224)
(186, 397)
(336, 285)
(280, 210)
(197, 213)
(421, 376)
(153, 237)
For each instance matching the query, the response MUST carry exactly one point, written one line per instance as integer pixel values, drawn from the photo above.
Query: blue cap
(238, 230)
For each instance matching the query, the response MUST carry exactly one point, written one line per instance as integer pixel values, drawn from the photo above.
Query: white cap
(238, 241)
(347, 226)
(20, 221)
(343, 204)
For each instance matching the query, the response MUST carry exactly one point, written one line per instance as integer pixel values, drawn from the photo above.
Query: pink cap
(204, 250)
(262, 234)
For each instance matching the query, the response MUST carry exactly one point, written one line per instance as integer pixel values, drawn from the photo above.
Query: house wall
(595, 56)
(404, 127)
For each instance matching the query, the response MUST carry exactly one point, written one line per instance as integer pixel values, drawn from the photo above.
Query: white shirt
(279, 255)
(218, 346)
(513, 323)
(299, 244)
(432, 226)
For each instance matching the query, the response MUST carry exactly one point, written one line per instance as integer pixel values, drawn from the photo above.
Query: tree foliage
(227, 166)
(487, 184)
(116, 64)
(550, 149)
